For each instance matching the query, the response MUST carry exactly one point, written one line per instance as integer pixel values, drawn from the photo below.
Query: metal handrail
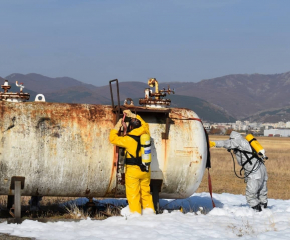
(118, 96)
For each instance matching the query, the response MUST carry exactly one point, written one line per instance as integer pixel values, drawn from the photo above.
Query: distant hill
(98, 95)
(271, 115)
(126, 89)
(239, 95)
(205, 110)
(77, 94)
(42, 84)
(65, 89)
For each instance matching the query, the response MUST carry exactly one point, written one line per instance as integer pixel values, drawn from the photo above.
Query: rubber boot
(264, 205)
(257, 208)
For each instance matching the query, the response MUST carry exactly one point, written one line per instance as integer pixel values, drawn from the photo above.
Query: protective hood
(236, 141)
(235, 135)
(242, 143)
(138, 131)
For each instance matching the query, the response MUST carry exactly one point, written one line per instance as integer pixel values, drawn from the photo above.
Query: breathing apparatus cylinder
(256, 146)
(146, 150)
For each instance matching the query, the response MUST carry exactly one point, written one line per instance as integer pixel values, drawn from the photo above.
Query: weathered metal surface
(155, 102)
(179, 160)
(60, 149)
(14, 97)
(63, 150)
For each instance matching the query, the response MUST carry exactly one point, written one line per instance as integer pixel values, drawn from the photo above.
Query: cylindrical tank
(64, 150)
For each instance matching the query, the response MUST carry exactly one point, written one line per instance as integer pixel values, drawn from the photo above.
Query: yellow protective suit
(137, 182)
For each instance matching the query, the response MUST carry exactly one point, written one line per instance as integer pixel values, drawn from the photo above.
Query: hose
(246, 175)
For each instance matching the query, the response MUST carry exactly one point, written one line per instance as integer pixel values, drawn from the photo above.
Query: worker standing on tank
(137, 180)
(255, 171)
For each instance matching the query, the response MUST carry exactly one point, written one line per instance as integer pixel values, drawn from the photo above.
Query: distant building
(206, 126)
(280, 125)
(238, 122)
(268, 126)
(287, 124)
(277, 133)
(245, 128)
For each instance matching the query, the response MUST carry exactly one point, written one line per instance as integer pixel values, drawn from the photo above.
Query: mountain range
(258, 97)
(242, 95)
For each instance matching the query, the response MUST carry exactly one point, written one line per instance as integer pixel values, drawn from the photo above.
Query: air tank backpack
(258, 152)
(143, 143)
(256, 146)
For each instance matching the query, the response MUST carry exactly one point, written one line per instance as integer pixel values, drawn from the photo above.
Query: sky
(231, 219)
(95, 41)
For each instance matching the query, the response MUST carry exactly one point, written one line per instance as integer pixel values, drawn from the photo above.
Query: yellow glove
(211, 144)
(129, 114)
(119, 124)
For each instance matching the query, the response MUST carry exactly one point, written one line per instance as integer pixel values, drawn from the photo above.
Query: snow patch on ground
(232, 218)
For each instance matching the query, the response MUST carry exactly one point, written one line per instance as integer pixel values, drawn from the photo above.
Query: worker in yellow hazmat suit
(137, 182)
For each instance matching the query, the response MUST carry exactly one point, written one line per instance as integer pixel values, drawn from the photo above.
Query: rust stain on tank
(184, 153)
(114, 169)
(165, 144)
(87, 191)
(193, 162)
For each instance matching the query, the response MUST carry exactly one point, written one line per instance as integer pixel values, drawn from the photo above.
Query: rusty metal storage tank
(63, 149)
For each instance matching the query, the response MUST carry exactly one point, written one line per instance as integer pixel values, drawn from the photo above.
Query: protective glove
(118, 125)
(211, 144)
(129, 114)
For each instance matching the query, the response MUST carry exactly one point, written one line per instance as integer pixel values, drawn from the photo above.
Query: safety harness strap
(136, 160)
(137, 139)
(252, 140)
(147, 145)
(133, 161)
(259, 161)
(248, 159)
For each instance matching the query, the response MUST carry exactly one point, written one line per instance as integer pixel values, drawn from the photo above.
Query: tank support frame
(17, 184)
(155, 186)
(10, 201)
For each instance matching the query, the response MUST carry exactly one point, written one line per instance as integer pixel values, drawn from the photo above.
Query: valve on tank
(156, 99)
(13, 97)
(20, 86)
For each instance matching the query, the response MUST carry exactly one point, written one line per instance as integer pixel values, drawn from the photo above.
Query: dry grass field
(278, 168)
(222, 176)
(51, 208)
